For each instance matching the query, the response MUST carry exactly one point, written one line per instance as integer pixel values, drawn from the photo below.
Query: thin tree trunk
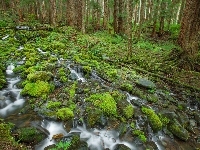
(130, 16)
(105, 16)
(115, 16)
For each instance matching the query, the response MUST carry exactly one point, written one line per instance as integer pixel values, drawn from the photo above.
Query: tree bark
(115, 16)
(190, 32)
(53, 12)
(105, 15)
(70, 13)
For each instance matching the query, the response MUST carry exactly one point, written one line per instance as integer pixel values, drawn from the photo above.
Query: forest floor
(105, 54)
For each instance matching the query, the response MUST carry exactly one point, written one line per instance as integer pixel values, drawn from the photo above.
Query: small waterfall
(5, 37)
(100, 139)
(76, 73)
(52, 128)
(11, 100)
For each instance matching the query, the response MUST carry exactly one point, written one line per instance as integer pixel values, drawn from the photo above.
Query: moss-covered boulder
(30, 135)
(40, 75)
(104, 101)
(153, 118)
(37, 89)
(64, 114)
(146, 83)
(125, 109)
(175, 127)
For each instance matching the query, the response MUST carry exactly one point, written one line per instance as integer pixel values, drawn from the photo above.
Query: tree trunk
(70, 13)
(52, 12)
(115, 16)
(190, 33)
(181, 10)
(105, 15)
(130, 16)
(155, 16)
(120, 17)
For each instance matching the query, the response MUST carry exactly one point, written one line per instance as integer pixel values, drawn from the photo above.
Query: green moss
(87, 69)
(7, 141)
(126, 87)
(164, 120)
(128, 111)
(132, 125)
(37, 89)
(152, 98)
(64, 114)
(140, 135)
(39, 75)
(105, 102)
(29, 135)
(53, 105)
(153, 118)
(63, 74)
(178, 130)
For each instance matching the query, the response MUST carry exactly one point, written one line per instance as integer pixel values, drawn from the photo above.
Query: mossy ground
(105, 54)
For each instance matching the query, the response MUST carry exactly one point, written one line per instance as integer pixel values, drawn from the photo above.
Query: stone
(146, 83)
(121, 147)
(178, 130)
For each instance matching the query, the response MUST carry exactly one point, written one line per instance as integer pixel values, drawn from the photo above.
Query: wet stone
(121, 147)
(73, 76)
(2, 98)
(146, 83)
(178, 130)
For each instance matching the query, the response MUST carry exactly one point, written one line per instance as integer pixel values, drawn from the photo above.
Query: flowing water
(11, 102)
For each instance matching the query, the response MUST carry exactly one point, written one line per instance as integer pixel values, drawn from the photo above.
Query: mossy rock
(177, 130)
(93, 116)
(37, 89)
(30, 135)
(105, 102)
(64, 114)
(125, 109)
(40, 75)
(146, 83)
(153, 118)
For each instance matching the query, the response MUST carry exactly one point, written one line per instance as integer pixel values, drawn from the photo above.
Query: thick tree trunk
(70, 13)
(190, 32)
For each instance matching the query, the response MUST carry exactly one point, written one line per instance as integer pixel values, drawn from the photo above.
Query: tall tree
(53, 12)
(190, 33)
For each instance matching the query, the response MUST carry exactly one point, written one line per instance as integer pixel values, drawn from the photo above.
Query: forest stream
(96, 138)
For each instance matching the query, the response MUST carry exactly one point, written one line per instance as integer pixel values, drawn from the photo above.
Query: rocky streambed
(94, 129)
(57, 103)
